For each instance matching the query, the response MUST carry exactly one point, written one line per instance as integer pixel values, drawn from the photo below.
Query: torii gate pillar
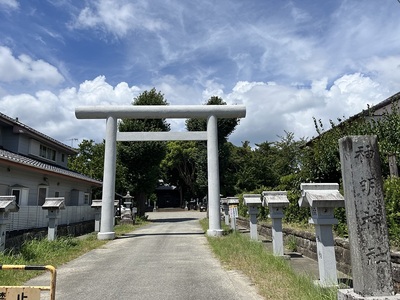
(107, 206)
(112, 113)
(213, 178)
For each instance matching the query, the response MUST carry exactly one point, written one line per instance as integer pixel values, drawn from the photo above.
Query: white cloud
(54, 114)
(9, 4)
(24, 68)
(117, 17)
(274, 108)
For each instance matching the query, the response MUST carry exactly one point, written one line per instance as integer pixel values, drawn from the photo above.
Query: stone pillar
(53, 207)
(155, 206)
(107, 207)
(276, 201)
(233, 203)
(322, 198)
(96, 204)
(225, 209)
(213, 178)
(253, 202)
(366, 220)
(7, 205)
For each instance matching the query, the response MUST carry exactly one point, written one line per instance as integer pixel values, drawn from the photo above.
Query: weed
(291, 244)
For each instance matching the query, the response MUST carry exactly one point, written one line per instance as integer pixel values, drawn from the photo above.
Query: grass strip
(55, 253)
(273, 276)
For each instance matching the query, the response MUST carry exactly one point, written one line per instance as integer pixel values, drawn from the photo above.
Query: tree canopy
(141, 160)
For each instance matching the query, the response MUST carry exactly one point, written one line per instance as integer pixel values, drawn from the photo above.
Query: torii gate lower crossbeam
(112, 113)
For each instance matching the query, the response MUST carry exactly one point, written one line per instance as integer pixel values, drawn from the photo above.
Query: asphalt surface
(167, 259)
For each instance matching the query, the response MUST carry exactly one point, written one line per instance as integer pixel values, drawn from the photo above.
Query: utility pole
(72, 141)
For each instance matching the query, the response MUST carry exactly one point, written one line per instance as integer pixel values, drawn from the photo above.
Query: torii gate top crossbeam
(160, 111)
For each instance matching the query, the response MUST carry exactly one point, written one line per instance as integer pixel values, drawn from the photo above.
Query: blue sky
(286, 61)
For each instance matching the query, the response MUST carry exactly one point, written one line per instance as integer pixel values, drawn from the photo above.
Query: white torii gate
(112, 113)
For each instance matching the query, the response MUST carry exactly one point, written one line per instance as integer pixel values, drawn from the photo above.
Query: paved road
(168, 259)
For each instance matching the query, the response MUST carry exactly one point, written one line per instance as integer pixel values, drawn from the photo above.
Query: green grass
(55, 253)
(272, 275)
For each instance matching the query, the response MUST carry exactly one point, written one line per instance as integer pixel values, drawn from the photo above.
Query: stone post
(116, 205)
(276, 201)
(366, 220)
(155, 206)
(53, 207)
(233, 203)
(253, 202)
(7, 205)
(96, 204)
(225, 209)
(322, 198)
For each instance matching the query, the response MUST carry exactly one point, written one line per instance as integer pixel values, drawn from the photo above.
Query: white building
(33, 166)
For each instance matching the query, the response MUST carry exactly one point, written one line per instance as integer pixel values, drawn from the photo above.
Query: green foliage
(322, 163)
(90, 162)
(387, 128)
(140, 161)
(225, 128)
(392, 203)
(179, 166)
(273, 276)
(291, 243)
(42, 251)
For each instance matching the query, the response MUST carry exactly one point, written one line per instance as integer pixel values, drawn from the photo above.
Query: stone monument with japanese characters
(366, 220)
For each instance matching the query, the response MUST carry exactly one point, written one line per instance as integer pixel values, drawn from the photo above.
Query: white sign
(233, 211)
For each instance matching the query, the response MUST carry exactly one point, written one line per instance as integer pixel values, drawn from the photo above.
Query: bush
(41, 251)
(391, 188)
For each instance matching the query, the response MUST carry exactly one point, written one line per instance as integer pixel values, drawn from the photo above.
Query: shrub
(391, 189)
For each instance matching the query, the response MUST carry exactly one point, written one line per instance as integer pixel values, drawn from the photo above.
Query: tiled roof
(27, 161)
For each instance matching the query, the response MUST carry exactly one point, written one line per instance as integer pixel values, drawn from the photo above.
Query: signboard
(19, 293)
(233, 211)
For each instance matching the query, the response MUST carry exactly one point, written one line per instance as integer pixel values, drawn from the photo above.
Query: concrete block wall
(15, 239)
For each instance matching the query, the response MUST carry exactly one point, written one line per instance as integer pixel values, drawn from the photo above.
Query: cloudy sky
(286, 61)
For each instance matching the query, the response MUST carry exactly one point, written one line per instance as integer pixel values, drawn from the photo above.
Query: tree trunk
(141, 203)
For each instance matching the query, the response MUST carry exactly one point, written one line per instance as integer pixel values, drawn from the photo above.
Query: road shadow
(171, 220)
(135, 235)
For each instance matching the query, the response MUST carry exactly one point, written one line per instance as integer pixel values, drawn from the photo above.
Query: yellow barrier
(28, 292)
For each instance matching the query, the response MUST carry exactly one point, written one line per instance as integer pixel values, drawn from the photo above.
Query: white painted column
(52, 215)
(214, 228)
(4, 220)
(326, 255)
(107, 203)
(253, 211)
(253, 201)
(277, 237)
(322, 198)
(276, 201)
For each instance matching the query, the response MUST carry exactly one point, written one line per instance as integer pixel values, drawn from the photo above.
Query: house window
(47, 153)
(17, 194)
(42, 194)
(21, 194)
(63, 157)
(87, 198)
(56, 194)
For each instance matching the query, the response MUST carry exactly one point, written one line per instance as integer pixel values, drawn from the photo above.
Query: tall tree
(141, 160)
(225, 128)
(89, 161)
(179, 167)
